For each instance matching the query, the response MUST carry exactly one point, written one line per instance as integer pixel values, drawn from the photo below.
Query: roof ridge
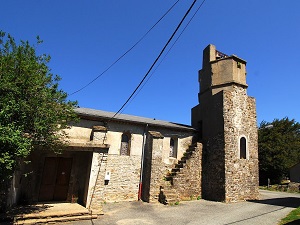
(129, 118)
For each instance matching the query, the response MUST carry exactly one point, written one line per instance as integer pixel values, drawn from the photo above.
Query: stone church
(129, 158)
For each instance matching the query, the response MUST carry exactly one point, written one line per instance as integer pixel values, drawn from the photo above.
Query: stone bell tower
(226, 120)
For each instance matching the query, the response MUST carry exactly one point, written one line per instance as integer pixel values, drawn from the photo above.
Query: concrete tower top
(220, 70)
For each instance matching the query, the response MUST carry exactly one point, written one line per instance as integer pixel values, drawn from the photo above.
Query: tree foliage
(33, 110)
(278, 148)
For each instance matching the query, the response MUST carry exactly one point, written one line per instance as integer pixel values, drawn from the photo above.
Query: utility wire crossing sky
(160, 54)
(83, 38)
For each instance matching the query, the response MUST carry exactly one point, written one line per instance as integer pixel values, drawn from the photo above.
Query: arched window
(243, 148)
(173, 148)
(125, 141)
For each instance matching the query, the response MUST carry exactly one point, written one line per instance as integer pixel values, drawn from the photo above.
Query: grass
(292, 216)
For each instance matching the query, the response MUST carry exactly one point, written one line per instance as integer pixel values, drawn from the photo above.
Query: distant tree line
(278, 149)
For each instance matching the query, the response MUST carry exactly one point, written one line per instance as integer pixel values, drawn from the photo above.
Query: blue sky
(85, 37)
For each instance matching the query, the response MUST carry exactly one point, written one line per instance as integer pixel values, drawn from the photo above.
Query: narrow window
(125, 144)
(173, 148)
(243, 148)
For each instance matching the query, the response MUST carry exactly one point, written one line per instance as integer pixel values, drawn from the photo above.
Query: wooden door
(55, 180)
(62, 179)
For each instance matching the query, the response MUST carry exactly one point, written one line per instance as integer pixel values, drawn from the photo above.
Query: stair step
(176, 169)
(191, 148)
(172, 201)
(188, 155)
(181, 161)
(169, 191)
(169, 178)
(55, 219)
(180, 165)
(57, 214)
(179, 176)
(171, 196)
(173, 173)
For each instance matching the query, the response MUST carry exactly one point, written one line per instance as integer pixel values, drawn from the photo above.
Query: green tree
(33, 110)
(278, 149)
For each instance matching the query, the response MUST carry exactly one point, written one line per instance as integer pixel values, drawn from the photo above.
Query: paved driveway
(268, 210)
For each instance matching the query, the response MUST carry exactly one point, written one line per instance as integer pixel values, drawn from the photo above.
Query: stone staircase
(172, 190)
(168, 195)
(54, 213)
(181, 164)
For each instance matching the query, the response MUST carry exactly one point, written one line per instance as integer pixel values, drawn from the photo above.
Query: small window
(125, 141)
(173, 148)
(243, 148)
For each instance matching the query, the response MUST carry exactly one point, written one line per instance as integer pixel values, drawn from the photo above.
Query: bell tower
(226, 120)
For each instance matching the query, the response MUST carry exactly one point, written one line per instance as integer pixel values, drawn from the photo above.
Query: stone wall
(96, 182)
(187, 182)
(123, 184)
(213, 175)
(241, 175)
(158, 168)
(124, 178)
(213, 159)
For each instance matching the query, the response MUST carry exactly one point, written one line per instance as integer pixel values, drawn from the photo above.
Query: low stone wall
(292, 186)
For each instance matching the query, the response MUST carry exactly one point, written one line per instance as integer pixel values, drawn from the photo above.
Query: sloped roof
(100, 114)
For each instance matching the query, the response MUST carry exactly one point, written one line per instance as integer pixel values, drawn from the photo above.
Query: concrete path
(269, 210)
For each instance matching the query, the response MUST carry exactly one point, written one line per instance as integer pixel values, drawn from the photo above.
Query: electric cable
(165, 54)
(125, 53)
(157, 58)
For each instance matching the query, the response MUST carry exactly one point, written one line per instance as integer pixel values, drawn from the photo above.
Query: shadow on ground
(295, 222)
(8, 217)
(291, 202)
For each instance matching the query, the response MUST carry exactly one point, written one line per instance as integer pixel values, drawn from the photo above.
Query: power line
(155, 61)
(166, 53)
(92, 81)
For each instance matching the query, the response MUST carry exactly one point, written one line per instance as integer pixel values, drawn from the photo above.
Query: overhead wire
(165, 55)
(125, 53)
(157, 58)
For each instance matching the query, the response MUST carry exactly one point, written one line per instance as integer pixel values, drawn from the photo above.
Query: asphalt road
(269, 210)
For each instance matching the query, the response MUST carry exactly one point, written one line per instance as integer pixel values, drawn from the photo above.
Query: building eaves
(100, 115)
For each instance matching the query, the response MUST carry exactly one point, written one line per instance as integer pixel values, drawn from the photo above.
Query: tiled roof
(100, 114)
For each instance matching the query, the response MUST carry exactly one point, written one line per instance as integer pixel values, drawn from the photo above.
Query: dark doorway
(55, 180)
